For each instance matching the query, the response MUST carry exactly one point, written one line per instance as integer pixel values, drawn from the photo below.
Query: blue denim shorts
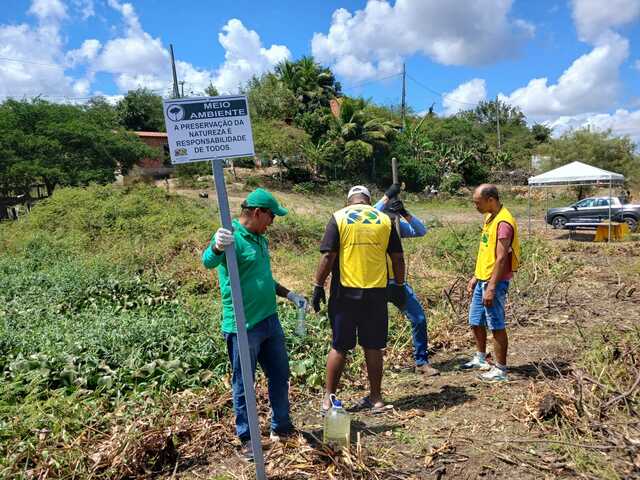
(493, 316)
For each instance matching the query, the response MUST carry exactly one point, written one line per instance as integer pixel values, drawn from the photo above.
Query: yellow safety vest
(364, 237)
(489, 240)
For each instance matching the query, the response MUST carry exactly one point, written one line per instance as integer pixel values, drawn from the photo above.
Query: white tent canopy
(576, 173)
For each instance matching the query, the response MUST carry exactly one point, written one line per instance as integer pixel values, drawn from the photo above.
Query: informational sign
(215, 128)
(208, 127)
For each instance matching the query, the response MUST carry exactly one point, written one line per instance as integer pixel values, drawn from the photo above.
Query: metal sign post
(394, 176)
(215, 128)
(238, 308)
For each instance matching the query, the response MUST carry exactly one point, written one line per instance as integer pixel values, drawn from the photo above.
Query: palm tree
(312, 84)
(362, 136)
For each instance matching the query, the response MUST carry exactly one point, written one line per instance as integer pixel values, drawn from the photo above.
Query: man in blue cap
(259, 290)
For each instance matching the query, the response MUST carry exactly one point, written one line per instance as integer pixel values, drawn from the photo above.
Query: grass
(107, 316)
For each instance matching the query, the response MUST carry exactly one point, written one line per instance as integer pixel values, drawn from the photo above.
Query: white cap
(358, 189)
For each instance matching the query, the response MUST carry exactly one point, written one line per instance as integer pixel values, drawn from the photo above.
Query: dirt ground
(453, 425)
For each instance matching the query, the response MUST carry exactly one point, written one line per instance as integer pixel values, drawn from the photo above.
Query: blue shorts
(493, 316)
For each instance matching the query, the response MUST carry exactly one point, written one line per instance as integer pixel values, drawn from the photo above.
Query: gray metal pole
(546, 197)
(403, 105)
(609, 209)
(394, 174)
(176, 93)
(529, 210)
(498, 120)
(238, 308)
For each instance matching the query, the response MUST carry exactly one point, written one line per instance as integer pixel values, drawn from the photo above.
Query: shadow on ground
(546, 368)
(448, 396)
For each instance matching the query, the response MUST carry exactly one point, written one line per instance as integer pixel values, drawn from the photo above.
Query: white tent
(576, 173)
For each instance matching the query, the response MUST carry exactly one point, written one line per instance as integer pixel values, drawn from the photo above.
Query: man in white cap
(354, 249)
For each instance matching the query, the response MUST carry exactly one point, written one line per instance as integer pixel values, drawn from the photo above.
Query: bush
(452, 183)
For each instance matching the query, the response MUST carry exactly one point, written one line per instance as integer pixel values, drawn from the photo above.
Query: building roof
(576, 173)
(151, 134)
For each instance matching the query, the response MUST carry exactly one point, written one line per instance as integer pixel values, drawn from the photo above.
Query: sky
(566, 63)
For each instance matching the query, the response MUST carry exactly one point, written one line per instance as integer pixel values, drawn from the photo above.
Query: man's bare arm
(502, 262)
(324, 267)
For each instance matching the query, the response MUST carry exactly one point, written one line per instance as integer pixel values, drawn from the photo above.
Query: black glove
(397, 295)
(318, 298)
(396, 206)
(393, 190)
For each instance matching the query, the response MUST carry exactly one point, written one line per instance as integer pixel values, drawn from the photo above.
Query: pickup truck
(591, 211)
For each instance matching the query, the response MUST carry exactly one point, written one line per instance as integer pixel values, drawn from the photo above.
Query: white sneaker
(476, 363)
(494, 375)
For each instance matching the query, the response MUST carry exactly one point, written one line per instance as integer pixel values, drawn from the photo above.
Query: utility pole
(403, 103)
(498, 120)
(176, 93)
(181, 88)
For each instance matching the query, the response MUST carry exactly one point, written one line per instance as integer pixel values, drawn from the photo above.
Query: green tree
(270, 98)
(141, 110)
(211, 91)
(598, 148)
(312, 84)
(60, 145)
(101, 112)
(365, 138)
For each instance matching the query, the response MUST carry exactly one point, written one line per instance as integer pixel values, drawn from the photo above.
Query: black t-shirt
(331, 243)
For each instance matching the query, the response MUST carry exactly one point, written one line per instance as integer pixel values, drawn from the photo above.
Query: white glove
(222, 239)
(298, 300)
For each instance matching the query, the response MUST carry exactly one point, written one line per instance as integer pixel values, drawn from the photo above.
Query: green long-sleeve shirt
(256, 279)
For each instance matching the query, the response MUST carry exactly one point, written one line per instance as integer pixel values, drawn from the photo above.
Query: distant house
(155, 166)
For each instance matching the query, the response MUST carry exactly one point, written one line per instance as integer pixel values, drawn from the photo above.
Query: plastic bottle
(337, 426)
(301, 328)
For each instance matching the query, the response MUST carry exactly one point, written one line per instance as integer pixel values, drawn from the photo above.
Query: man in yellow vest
(354, 250)
(498, 258)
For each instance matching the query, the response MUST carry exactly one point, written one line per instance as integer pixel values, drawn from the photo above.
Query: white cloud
(36, 65)
(594, 18)
(45, 10)
(136, 59)
(372, 41)
(244, 56)
(591, 83)
(129, 15)
(87, 52)
(82, 87)
(621, 122)
(86, 7)
(139, 60)
(465, 96)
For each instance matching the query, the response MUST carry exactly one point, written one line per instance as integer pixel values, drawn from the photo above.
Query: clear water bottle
(337, 426)
(301, 327)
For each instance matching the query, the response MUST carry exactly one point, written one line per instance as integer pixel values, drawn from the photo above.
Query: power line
(45, 95)
(16, 60)
(440, 94)
(375, 80)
